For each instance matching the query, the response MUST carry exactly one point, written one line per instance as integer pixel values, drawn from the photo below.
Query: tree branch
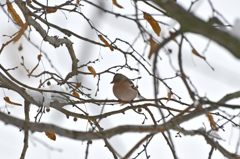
(104, 134)
(190, 23)
(210, 141)
(26, 134)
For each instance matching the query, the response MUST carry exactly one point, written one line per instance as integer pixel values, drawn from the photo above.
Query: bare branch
(190, 23)
(26, 111)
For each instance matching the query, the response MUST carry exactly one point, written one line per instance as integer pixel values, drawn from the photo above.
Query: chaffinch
(124, 88)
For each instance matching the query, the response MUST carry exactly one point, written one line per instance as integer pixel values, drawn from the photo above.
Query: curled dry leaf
(169, 96)
(50, 135)
(105, 42)
(116, 4)
(154, 24)
(14, 14)
(10, 102)
(197, 54)
(212, 122)
(76, 94)
(92, 70)
(52, 10)
(153, 47)
(19, 21)
(78, 85)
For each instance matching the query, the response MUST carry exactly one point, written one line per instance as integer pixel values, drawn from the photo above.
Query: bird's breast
(124, 91)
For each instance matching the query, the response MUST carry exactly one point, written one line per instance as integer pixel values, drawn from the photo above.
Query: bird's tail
(140, 96)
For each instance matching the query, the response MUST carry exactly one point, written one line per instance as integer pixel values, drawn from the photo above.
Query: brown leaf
(169, 96)
(116, 4)
(78, 84)
(154, 24)
(153, 47)
(212, 122)
(197, 54)
(92, 70)
(50, 135)
(105, 42)
(52, 10)
(14, 14)
(10, 102)
(76, 94)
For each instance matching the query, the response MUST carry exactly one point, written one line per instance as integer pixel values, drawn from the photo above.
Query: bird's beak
(112, 82)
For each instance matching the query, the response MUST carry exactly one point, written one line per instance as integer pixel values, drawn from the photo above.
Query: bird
(124, 89)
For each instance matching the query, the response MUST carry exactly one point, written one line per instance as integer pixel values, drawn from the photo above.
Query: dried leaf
(50, 135)
(169, 96)
(92, 70)
(116, 4)
(14, 14)
(212, 122)
(76, 94)
(154, 24)
(78, 84)
(10, 102)
(20, 32)
(105, 42)
(52, 10)
(197, 54)
(153, 47)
